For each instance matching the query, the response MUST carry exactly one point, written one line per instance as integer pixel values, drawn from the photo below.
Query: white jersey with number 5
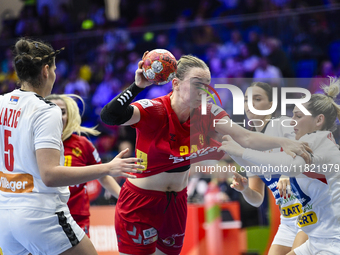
(28, 123)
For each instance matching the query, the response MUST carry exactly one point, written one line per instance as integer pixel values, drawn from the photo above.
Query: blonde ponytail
(325, 104)
(333, 91)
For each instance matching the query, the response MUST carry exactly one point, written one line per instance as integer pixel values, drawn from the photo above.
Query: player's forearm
(252, 197)
(279, 163)
(247, 138)
(119, 110)
(110, 184)
(242, 162)
(259, 141)
(64, 176)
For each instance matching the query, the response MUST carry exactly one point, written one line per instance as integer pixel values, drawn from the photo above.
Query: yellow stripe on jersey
(68, 160)
(144, 156)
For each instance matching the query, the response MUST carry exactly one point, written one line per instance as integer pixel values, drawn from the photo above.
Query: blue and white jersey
(291, 207)
(319, 181)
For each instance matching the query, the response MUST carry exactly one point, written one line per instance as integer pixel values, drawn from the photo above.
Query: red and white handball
(159, 66)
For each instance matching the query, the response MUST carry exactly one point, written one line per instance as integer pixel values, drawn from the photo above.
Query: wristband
(119, 110)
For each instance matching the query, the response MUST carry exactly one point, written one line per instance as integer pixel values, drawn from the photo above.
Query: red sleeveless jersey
(164, 143)
(79, 151)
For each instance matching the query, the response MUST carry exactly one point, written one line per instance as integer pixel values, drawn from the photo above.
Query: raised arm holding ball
(171, 134)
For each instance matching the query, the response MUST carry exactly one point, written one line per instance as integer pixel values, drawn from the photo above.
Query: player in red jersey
(171, 133)
(79, 151)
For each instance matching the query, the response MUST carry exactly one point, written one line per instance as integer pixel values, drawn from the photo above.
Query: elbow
(110, 119)
(256, 201)
(48, 180)
(257, 204)
(103, 116)
(246, 141)
(49, 183)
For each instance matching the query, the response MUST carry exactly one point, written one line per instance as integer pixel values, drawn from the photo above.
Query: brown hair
(266, 87)
(186, 62)
(30, 57)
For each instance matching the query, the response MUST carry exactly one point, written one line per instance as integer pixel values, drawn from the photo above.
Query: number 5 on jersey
(9, 153)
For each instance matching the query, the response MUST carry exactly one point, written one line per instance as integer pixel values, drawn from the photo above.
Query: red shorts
(83, 222)
(146, 219)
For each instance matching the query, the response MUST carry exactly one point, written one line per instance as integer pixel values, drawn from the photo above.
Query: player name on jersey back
(9, 117)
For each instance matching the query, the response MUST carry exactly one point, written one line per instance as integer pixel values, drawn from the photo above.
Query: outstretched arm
(259, 141)
(54, 175)
(252, 189)
(287, 165)
(110, 184)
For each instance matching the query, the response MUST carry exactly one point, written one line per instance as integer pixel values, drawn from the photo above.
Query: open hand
(239, 183)
(120, 166)
(231, 147)
(284, 187)
(301, 149)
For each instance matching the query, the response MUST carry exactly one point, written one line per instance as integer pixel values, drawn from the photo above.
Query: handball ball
(159, 66)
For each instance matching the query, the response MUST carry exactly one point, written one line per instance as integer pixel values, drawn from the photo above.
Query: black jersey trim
(67, 228)
(178, 169)
(45, 100)
(264, 128)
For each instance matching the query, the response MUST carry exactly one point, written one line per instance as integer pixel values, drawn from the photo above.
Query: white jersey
(319, 184)
(321, 217)
(28, 123)
(279, 127)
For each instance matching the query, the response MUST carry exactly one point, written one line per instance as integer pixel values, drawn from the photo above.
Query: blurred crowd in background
(272, 41)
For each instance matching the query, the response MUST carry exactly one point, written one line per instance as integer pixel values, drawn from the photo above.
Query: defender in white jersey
(33, 194)
(318, 181)
(253, 192)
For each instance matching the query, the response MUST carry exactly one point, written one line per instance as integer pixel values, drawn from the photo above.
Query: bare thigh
(276, 249)
(300, 238)
(84, 247)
